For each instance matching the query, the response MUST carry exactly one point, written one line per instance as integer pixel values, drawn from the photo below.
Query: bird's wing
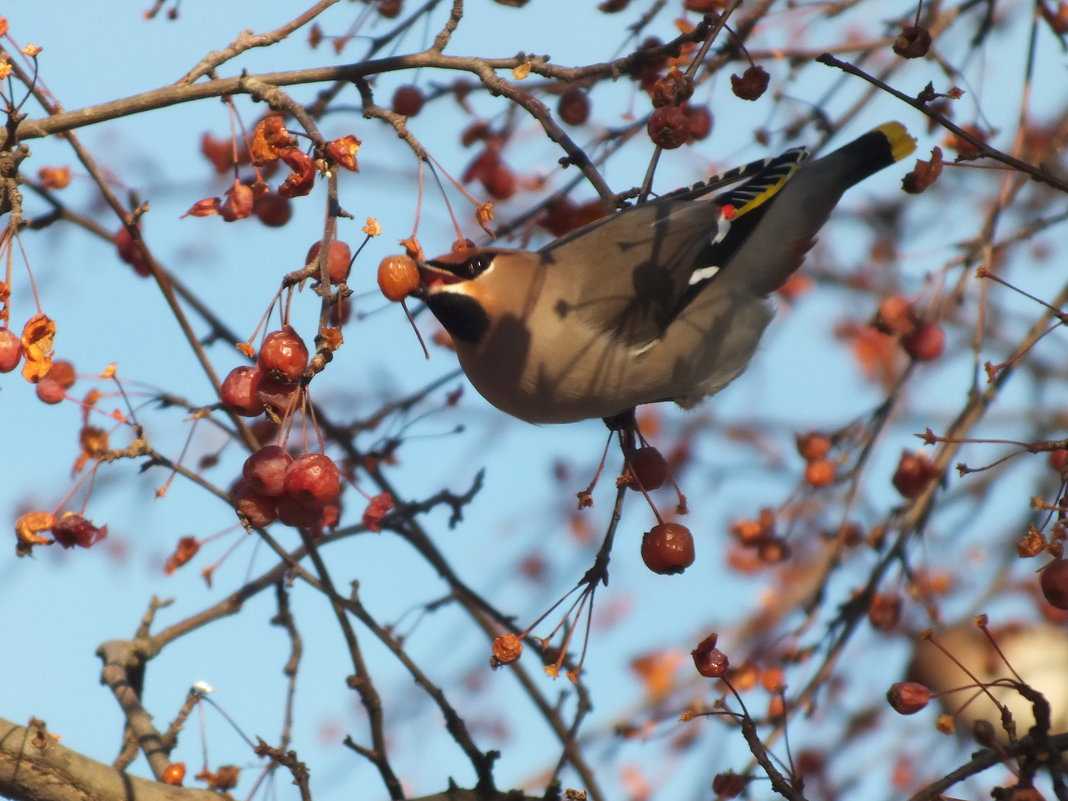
(669, 248)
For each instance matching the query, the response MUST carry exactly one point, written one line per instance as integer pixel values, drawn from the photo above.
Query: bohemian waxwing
(665, 300)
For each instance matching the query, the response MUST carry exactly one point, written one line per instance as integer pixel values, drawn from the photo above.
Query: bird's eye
(476, 265)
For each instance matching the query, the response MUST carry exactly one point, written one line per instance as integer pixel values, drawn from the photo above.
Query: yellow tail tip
(901, 142)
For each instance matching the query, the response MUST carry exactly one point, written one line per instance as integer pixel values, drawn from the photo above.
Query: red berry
(574, 106)
(398, 276)
(50, 391)
(338, 261)
(294, 512)
(1057, 459)
(280, 396)
(646, 469)
(10, 350)
(313, 479)
(53, 386)
(914, 472)
(668, 548)
(272, 209)
(390, 9)
(729, 784)
(259, 510)
(699, 120)
(500, 181)
(927, 342)
(130, 253)
(708, 659)
(812, 446)
(283, 355)
(1054, 583)
(62, 372)
(239, 391)
(908, 697)
(408, 100)
(669, 127)
(265, 470)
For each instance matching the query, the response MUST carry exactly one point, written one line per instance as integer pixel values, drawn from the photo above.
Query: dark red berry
(729, 784)
(280, 396)
(926, 342)
(646, 469)
(408, 100)
(265, 470)
(699, 120)
(914, 472)
(294, 512)
(574, 106)
(259, 510)
(1054, 583)
(908, 697)
(272, 209)
(708, 659)
(668, 548)
(669, 127)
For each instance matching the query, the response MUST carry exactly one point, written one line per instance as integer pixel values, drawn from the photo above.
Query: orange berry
(398, 277)
(820, 473)
(812, 446)
(174, 774)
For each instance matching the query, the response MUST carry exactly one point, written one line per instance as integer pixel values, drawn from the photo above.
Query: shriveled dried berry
(751, 84)
(669, 127)
(913, 42)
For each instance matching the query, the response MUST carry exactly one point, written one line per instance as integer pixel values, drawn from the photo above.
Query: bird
(665, 300)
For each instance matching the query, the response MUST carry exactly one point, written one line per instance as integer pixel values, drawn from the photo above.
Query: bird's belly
(554, 382)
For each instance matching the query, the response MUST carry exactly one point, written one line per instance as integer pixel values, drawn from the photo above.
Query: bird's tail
(866, 155)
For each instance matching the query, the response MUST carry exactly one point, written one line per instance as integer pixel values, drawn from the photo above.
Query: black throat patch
(461, 315)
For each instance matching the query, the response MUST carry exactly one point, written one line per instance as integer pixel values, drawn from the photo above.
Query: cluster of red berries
(667, 548)
(273, 382)
(299, 492)
(675, 121)
(53, 385)
(923, 340)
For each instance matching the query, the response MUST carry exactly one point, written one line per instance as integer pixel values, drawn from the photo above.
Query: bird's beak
(432, 274)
